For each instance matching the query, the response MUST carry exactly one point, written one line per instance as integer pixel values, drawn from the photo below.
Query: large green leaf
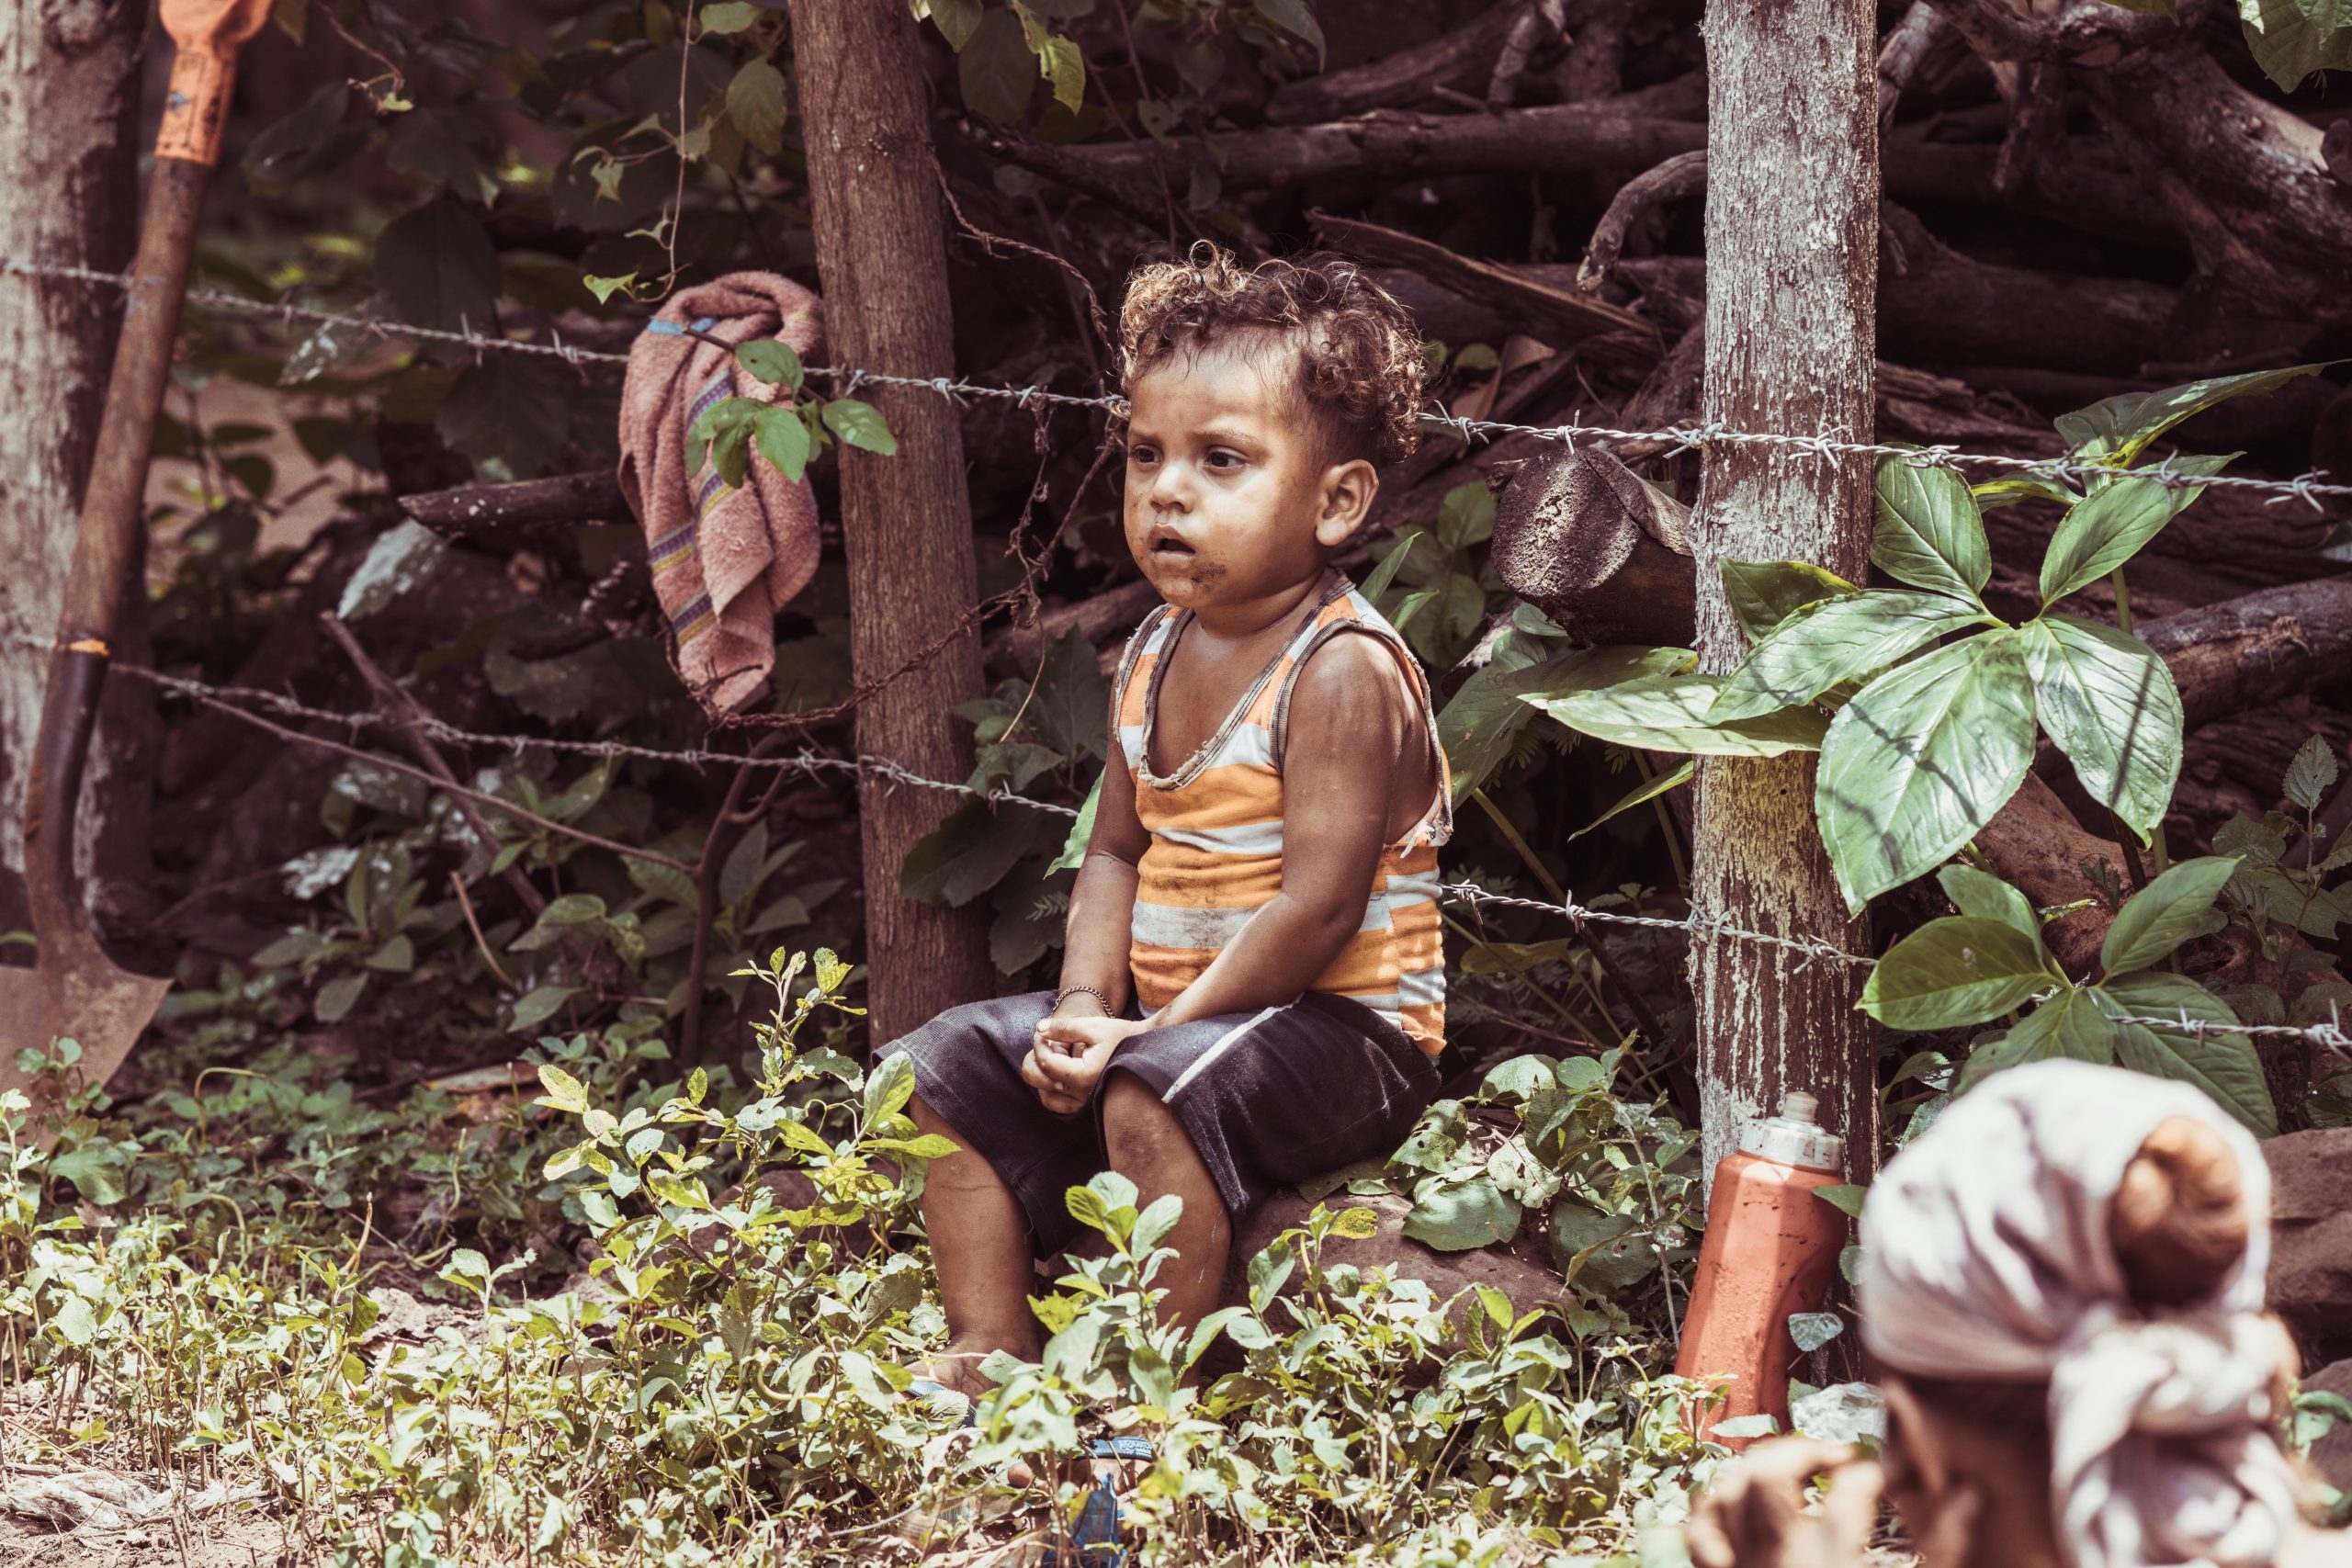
(1481, 724)
(2293, 39)
(1930, 533)
(436, 267)
(2111, 705)
(1978, 893)
(1960, 969)
(2070, 1024)
(1669, 713)
(971, 851)
(996, 69)
(1921, 759)
(2165, 913)
(2225, 1065)
(1461, 1210)
(1850, 637)
(1641, 794)
(1071, 705)
(2117, 429)
(507, 415)
(1764, 594)
(2113, 524)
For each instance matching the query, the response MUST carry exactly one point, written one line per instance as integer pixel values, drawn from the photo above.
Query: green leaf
(1466, 517)
(604, 288)
(1765, 594)
(889, 1086)
(1377, 580)
(995, 69)
(957, 21)
(1930, 533)
(971, 852)
(307, 142)
(337, 997)
(1648, 790)
(1986, 896)
(564, 1091)
(74, 1322)
(2312, 775)
(1844, 1197)
(2225, 1066)
(539, 1005)
(572, 909)
(506, 411)
(1920, 760)
(861, 425)
(1849, 638)
(436, 267)
(2113, 524)
(781, 436)
(2165, 913)
(1459, 1212)
(1480, 725)
(95, 1169)
(776, 363)
(1602, 1252)
(662, 881)
(1061, 63)
(2111, 705)
(1669, 713)
(755, 105)
(1071, 705)
(2294, 38)
(1957, 970)
(1073, 851)
(729, 16)
(453, 147)
(1295, 18)
(2117, 429)
(2070, 1024)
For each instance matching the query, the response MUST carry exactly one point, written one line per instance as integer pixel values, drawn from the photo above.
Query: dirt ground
(248, 1535)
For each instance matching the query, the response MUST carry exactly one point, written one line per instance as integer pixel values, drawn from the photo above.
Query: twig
(705, 873)
(458, 881)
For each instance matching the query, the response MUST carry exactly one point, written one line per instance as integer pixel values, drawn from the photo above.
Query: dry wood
(1609, 334)
(2238, 654)
(1792, 223)
(907, 520)
(2088, 186)
(1461, 59)
(2035, 844)
(1908, 45)
(1680, 176)
(488, 511)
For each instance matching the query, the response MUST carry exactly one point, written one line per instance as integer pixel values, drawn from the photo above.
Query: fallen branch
(1412, 75)
(479, 512)
(1680, 176)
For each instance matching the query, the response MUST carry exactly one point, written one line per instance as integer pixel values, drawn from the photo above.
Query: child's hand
(1069, 1058)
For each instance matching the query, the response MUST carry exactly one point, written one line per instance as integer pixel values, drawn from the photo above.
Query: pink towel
(724, 561)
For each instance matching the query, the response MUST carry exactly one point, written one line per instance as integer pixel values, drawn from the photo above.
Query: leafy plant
(1923, 739)
(1989, 960)
(786, 433)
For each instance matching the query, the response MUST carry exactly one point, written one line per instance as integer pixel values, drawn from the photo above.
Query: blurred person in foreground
(2062, 1294)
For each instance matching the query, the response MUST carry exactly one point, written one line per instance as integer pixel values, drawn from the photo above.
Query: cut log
(1628, 578)
(2035, 844)
(2243, 652)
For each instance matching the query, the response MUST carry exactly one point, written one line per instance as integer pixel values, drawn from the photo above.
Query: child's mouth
(1167, 546)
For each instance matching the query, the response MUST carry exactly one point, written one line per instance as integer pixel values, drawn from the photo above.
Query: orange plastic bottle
(1770, 1252)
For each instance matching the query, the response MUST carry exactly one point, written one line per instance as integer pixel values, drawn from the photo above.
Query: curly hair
(1359, 353)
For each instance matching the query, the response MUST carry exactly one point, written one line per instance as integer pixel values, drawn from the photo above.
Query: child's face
(1229, 497)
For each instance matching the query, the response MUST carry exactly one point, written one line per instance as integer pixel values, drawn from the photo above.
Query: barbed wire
(2309, 487)
(2330, 1035)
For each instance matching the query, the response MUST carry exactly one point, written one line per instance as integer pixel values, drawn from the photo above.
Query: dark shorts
(1270, 1099)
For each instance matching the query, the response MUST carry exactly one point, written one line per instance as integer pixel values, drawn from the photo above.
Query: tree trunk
(1792, 236)
(68, 134)
(907, 519)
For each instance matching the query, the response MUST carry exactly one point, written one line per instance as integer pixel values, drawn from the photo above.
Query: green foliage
(1989, 960)
(2295, 38)
(1930, 737)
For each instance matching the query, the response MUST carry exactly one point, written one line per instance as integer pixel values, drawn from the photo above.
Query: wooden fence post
(907, 519)
(1791, 291)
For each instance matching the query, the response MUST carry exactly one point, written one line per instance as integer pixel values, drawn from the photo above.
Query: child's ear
(1347, 490)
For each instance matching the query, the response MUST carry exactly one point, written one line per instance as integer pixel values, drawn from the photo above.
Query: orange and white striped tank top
(1216, 834)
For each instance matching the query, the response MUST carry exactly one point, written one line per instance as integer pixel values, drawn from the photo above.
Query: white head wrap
(1985, 1255)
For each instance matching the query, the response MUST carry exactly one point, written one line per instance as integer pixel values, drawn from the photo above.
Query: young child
(1253, 992)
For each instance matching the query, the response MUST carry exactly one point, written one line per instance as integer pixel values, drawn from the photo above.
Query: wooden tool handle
(208, 34)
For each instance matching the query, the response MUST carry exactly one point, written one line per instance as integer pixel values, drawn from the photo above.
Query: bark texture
(1791, 229)
(907, 519)
(68, 134)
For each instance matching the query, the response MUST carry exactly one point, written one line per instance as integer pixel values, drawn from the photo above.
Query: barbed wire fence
(243, 703)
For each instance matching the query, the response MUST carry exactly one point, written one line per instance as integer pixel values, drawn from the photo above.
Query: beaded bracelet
(1069, 991)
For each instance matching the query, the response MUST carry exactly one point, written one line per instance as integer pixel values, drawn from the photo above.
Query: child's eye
(1142, 452)
(1221, 458)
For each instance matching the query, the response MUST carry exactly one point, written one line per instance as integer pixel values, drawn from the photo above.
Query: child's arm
(1354, 740)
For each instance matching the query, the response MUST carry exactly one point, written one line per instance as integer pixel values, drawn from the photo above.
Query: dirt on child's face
(1225, 485)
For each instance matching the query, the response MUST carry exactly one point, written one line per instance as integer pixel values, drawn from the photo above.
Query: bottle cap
(1794, 1137)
